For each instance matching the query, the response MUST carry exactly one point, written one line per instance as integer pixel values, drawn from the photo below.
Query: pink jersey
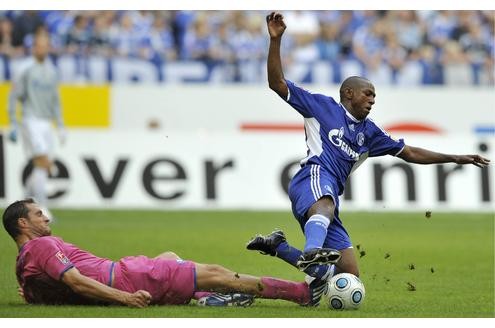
(42, 262)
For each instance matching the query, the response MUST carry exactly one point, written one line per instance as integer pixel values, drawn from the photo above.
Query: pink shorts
(168, 281)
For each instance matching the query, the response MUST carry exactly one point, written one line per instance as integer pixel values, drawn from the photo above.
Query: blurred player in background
(51, 271)
(36, 87)
(339, 137)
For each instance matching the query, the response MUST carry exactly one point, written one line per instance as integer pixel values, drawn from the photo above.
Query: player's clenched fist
(276, 25)
(139, 299)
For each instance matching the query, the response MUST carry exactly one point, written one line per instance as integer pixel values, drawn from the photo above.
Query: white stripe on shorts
(315, 181)
(318, 185)
(312, 176)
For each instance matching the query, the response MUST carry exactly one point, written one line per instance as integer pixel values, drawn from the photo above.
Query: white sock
(37, 184)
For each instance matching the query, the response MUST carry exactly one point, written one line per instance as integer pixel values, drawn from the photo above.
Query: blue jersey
(336, 140)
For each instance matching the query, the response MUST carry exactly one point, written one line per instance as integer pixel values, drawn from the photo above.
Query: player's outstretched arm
(423, 156)
(88, 287)
(276, 80)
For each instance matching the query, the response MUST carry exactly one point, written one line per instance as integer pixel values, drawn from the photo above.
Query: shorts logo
(360, 138)
(62, 258)
(327, 188)
(180, 261)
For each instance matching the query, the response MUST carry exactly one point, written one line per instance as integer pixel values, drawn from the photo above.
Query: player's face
(363, 100)
(41, 47)
(38, 221)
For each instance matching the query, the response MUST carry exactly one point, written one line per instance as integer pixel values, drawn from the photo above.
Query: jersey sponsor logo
(62, 258)
(335, 136)
(360, 138)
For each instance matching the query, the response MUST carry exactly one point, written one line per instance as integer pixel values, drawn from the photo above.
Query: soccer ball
(345, 291)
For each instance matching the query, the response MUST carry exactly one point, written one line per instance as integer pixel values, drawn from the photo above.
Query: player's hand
(139, 299)
(13, 135)
(276, 25)
(20, 291)
(62, 135)
(477, 160)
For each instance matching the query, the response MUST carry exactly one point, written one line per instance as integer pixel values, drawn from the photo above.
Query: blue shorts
(310, 184)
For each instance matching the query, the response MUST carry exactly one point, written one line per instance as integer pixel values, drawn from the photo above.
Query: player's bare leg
(323, 206)
(217, 278)
(348, 262)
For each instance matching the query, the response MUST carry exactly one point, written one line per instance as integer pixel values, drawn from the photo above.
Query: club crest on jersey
(335, 136)
(360, 138)
(62, 258)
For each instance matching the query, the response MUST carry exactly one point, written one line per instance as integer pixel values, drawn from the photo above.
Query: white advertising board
(227, 108)
(172, 170)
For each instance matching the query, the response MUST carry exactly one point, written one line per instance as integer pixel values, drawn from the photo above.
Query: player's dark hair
(351, 82)
(12, 213)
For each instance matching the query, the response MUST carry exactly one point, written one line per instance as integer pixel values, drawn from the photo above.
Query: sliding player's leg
(219, 279)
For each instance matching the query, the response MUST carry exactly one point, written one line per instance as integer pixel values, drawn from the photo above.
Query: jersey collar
(349, 115)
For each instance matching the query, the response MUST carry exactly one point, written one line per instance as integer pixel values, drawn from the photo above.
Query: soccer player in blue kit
(339, 137)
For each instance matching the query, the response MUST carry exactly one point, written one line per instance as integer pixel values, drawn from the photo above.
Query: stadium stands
(402, 48)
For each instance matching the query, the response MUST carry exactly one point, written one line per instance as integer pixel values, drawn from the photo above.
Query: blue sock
(320, 271)
(288, 253)
(315, 231)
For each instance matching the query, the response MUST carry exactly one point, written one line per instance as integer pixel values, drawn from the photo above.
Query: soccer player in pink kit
(51, 271)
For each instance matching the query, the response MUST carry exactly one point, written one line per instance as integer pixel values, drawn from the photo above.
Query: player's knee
(170, 255)
(218, 272)
(324, 206)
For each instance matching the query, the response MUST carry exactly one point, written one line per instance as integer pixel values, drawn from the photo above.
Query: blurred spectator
(368, 43)
(78, 37)
(397, 47)
(394, 54)
(303, 30)
(249, 46)
(432, 70)
(199, 41)
(125, 39)
(441, 27)
(24, 27)
(455, 65)
(6, 40)
(182, 20)
(59, 24)
(475, 44)
(407, 27)
(161, 40)
(328, 44)
(99, 39)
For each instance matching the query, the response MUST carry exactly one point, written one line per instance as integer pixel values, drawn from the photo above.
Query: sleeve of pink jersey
(50, 257)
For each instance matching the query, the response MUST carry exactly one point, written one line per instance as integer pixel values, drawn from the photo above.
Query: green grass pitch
(448, 258)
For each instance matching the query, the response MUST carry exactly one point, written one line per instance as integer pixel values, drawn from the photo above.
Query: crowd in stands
(388, 47)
